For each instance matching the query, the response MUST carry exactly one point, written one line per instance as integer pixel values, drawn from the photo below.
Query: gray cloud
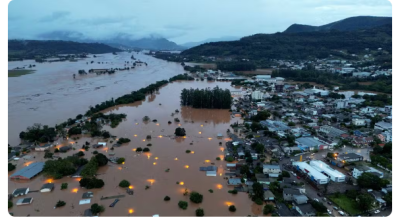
(55, 16)
(179, 20)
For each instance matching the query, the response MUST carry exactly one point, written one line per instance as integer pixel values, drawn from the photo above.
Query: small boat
(115, 202)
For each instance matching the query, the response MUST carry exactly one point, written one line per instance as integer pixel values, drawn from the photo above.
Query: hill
(296, 46)
(193, 44)
(120, 40)
(30, 49)
(348, 24)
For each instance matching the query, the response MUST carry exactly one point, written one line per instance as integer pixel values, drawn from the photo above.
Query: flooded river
(51, 95)
(141, 169)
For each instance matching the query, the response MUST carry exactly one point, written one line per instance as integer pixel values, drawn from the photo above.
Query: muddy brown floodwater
(50, 95)
(141, 169)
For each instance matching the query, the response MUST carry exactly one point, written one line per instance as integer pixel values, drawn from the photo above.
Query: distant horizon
(181, 24)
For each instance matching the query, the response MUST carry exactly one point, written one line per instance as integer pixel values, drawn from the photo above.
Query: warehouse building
(314, 175)
(28, 172)
(310, 143)
(333, 174)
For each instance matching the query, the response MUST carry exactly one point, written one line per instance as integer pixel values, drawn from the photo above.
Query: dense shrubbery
(40, 133)
(180, 132)
(11, 167)
(124, 183)
(207, 98)
(183, 205)
(123, 140)
(90, 183)
(196, 197)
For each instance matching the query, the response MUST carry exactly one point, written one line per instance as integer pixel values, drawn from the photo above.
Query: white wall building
(257, 95)
(333, 174)
(357, 171)
(358, 122)
(314, 174)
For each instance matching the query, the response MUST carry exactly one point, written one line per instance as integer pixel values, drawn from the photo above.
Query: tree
(11, 167)
(146, 149)
(124, 183)
(291, 124)
(318, 206)
(58, 168)
(101, 159)
(258, 191)
(268, 209)
(90, 183)
(60, 203)
(180, 132)
(232, 208)
(166, 198)
(369, 181)
(285, 173)
(229, 158)
(80, 154)
(10, 204)
(196, 197)
(121, 160)
(183, 205)
(365, 201)
(96, 208)
(64, 185)
(199, 212)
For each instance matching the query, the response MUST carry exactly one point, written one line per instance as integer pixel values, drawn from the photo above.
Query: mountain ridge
(347, 24)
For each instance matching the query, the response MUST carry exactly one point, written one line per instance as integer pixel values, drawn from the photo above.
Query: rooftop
(29, 171)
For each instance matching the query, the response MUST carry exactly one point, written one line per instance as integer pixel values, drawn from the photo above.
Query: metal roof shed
(333, 174)
(24, 201)
(28, 172)
(314, 174)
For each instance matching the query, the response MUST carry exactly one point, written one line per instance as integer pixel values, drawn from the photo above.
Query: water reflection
(214, 116)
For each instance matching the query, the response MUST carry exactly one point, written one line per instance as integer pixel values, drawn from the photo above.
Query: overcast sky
(180, 21)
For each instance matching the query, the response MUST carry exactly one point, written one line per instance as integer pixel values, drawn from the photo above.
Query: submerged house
(28, 172)
(20, 192)
(24, 201)
(48, 187)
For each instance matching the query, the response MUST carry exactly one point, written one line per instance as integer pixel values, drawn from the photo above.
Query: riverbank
(51, 95)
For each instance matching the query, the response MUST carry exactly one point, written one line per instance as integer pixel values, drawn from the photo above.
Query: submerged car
(115, 202)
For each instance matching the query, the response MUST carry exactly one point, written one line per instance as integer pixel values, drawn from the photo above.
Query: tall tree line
(207, 98)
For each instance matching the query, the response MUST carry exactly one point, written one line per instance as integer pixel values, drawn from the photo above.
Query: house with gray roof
(272, 170)
(289, 193)
(234, 182)
(305, 209)
(20, 192)
(28, 172)
(300, 199)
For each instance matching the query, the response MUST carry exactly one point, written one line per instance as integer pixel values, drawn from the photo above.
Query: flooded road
(50, 95)
(141, 169)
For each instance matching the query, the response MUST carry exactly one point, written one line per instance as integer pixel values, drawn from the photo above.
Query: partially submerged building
(48, 187)
(20, 192)
(28, 172)
(24, 201)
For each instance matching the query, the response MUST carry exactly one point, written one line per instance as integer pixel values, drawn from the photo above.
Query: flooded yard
(141, 169)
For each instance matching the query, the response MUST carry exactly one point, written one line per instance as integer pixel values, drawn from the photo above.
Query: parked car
(330, 203)
(298, 177)
(329, 212)
(312, 154)
(324, 199)
(319, 194)
(377, 211)
(335, 208)
(293, 173)
(316, 200)
(341, 212)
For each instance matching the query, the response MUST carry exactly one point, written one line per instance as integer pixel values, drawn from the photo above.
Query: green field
(346, 204)
(17, 73)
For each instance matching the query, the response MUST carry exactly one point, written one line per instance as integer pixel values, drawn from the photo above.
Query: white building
(358, 122)
(257, 95)
(333, 174)
(383, 126)
(272, 170)
(314, 174)
(357, 171)
(347, 94)
(263, 77)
